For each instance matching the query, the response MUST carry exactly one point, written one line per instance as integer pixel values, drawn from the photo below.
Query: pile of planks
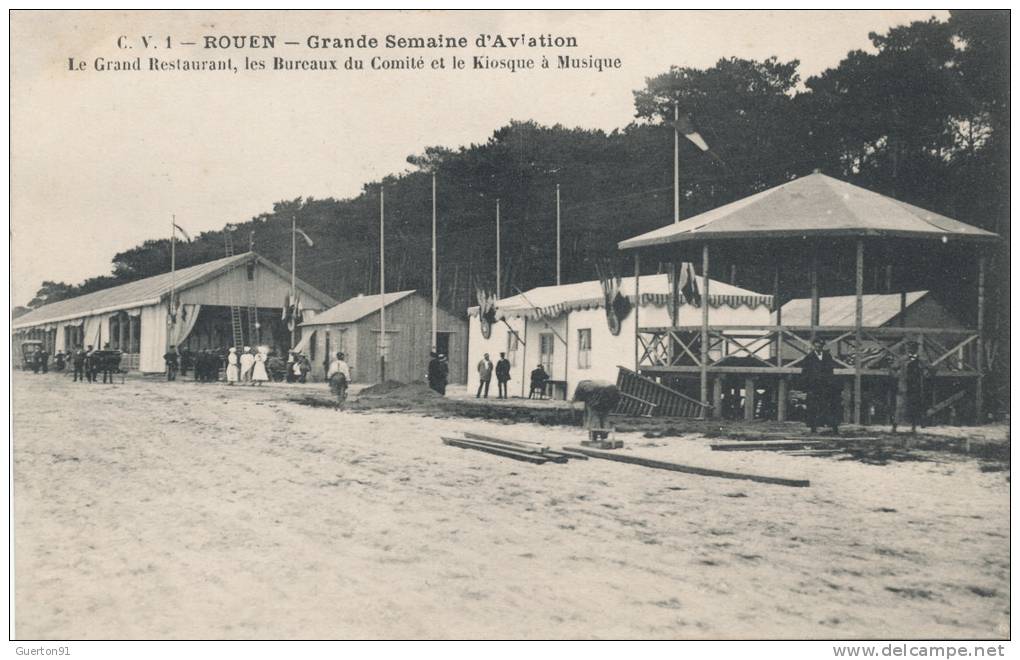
(518, 450)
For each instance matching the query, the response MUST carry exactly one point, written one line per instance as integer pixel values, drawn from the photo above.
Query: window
(584, 348)
(512, 342)
(545, 351)
(251, 271)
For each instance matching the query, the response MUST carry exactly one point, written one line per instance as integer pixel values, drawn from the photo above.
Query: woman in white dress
(233, 367)
(247, 363)
(259, 374)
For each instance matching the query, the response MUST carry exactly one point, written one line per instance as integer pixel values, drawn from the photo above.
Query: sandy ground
(148, 510)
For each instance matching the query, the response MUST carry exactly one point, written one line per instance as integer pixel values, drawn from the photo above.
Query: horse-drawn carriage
(29, 349)
(108, 361)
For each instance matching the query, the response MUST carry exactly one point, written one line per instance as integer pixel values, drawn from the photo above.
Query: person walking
(484, 376)
(247, 364)
(502, 375)
(173, 362)
(338, 375)
(259, 374)
(820, 383)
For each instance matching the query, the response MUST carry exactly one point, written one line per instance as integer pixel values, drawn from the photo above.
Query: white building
(566, 329)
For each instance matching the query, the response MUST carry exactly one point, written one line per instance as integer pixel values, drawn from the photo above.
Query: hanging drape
(186, 319)
(93, 331)
(59, 341)
(306, 340)
(153, 343)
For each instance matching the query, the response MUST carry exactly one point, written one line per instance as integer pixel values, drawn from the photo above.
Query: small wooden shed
(353, 327)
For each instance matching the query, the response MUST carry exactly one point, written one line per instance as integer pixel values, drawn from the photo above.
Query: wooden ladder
(236, 327)
(654, 399)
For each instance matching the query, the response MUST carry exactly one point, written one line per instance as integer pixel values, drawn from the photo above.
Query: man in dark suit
(821, 386)
(91, 364)
(502, 374)
(912, 371)
(434, 373)
(78, 361)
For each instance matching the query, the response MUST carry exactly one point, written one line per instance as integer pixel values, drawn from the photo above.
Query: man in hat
(339, 376)
(912, 370)
(820, 383)
(433, 372)
(444, 373)
(172, 359)
(502, 374)
(78, 362)
(484, 376)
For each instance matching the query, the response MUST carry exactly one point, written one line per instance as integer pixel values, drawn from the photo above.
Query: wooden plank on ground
(763, 445)
(524, 445)
(496, 445)
(570, 454)
(815, 452)
(689, 469)
(505, 452)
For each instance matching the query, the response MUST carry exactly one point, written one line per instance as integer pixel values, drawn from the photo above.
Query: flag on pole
(286, 308)
(177, 227)
(686, 128)
(689, 284)
(305, 236)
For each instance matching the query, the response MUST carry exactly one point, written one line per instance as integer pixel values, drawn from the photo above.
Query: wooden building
(135, 318)
(565, 329)
(353, 327)
(815, 237)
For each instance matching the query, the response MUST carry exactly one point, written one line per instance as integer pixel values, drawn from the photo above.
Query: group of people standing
(248, 368)
(485, 371)
(823, 391)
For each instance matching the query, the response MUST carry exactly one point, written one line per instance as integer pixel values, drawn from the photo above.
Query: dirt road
(148, 510)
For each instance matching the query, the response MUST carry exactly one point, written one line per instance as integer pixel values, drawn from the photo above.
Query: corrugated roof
(814, 205)
(879, 309)
(142, 292)
(356, 308)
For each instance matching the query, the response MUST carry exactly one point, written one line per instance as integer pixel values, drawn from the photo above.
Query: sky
(102, 159)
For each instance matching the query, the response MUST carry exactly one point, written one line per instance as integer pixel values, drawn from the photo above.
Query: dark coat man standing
(912, 372)
(502, 374)
(78, 362)
(91, 364)
(173, 361)
(821, 386)
(434, 373)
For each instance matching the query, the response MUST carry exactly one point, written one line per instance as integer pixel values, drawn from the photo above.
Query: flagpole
(382, 285)
(434, 288)
(557, 234)
(293, 280)
(173, 266)
(676, 162)
(498, 280)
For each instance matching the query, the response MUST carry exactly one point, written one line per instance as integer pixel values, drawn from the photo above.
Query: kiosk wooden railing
(779, 349)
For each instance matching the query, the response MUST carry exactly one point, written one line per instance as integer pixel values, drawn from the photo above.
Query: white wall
(608, 351)
(494, 345)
